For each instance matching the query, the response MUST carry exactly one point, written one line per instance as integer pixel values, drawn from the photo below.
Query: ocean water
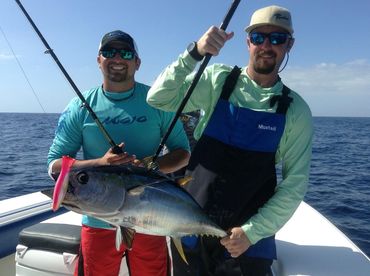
(339, 185)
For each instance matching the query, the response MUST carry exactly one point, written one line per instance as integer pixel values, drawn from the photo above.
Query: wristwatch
(193, 51)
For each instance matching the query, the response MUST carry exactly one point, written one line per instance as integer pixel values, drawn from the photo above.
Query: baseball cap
(121, 37)
(271, 15)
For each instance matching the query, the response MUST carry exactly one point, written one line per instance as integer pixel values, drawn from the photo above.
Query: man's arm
(68, 140)
(173, 161)
(109, 158)
(170, 87)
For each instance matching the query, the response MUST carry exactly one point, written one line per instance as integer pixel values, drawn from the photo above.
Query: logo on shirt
(128, 120)
(263, 127)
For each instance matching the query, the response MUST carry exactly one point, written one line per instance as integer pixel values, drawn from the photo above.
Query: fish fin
(125, 236)
(178, 245)
(184, 180)
(118, 237)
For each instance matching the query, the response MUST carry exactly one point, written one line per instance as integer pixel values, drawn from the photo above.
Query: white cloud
(4, 56)
(333, 89)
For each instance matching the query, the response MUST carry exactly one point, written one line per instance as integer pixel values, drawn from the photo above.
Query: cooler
(47, 249)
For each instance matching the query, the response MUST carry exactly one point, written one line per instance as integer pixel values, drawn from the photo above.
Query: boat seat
(53, 237)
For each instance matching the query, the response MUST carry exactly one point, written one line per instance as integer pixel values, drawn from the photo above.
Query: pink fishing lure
(61, 185)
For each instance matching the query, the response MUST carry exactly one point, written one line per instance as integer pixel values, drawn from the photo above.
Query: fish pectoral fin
(178, 245)
(184, 180)
(127, 235)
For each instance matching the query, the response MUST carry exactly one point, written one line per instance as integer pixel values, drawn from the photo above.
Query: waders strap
(283, 101)
(230, 83)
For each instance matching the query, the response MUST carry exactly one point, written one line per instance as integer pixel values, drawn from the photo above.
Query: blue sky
(329, 64)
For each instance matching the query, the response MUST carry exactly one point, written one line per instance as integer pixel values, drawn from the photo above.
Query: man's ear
(290, 44)
(138, 62)
(98, 60)
(248, 42)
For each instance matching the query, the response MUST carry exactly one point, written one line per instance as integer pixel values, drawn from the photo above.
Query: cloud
(333, 89)
(351, 76)
(4, 56)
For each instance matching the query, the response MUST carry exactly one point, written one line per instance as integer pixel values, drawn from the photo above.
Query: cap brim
(254, 26)
(116, 41)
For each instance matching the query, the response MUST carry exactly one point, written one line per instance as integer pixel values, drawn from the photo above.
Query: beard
(117, 76)
(262, 66)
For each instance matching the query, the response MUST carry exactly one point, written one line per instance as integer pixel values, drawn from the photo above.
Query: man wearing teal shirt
(120, 104)
(248, 127)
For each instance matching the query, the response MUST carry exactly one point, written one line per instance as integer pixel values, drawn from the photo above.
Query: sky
(329, 65)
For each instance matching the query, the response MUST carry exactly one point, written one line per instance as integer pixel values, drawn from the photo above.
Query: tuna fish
(135, 199)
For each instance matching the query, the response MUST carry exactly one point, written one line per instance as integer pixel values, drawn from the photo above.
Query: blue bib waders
(233, 170)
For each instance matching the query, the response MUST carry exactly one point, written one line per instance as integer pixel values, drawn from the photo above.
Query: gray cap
(271, 15)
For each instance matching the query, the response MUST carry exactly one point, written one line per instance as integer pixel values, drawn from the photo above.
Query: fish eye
(82, 178)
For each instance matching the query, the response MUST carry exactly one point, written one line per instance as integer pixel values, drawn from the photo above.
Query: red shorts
(148, 257)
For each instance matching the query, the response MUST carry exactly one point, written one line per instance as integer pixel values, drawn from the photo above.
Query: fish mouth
(69, 205)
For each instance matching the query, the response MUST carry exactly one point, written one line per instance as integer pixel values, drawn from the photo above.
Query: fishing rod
(115, 147)
(195, 81)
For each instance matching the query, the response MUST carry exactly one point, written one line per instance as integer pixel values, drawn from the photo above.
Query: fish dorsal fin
(178, 245)
(125, 236)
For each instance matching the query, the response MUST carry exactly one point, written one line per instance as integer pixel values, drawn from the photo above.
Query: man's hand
(212, 41)
(111, 158)
(237, 243)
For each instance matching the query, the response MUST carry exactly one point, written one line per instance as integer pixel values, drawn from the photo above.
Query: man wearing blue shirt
(120, 104)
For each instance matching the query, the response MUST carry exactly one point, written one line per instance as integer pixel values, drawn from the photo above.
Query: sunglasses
(124, 54)
(275, 38)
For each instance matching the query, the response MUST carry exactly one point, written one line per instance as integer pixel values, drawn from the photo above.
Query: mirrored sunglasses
(124, 54)
(275, 38)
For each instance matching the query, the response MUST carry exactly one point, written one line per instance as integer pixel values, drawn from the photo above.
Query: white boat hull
(307, 245)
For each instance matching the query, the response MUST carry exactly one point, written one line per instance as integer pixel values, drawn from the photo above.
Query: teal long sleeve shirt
(127, 118)
(294, 150)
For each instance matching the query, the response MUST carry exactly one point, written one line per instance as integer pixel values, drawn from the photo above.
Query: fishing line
(23, 71)
(115, 147)
(286, 62)
(197, 76)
